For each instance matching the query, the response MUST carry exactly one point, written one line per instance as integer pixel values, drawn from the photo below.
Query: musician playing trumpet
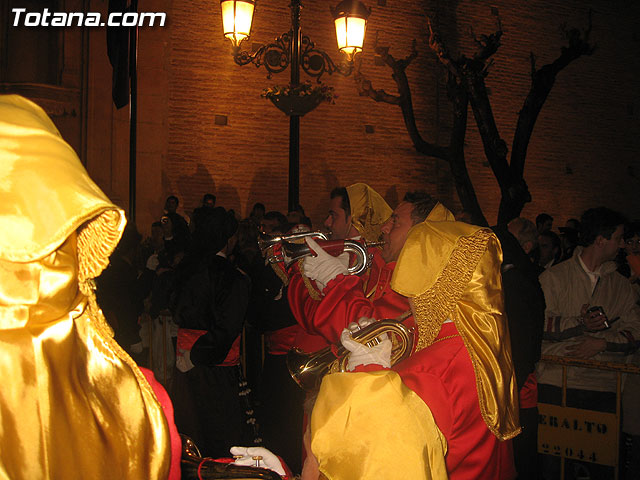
(355, 212)
(343, 298)
(454, 398)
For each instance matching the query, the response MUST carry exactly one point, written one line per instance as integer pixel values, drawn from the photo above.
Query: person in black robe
(210, 310)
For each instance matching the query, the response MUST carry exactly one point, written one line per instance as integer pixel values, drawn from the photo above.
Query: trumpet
(308, 369)
(193, 466)
(290, 251)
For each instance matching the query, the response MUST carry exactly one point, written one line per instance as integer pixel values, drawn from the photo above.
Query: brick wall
(581, 154)
(583, 150)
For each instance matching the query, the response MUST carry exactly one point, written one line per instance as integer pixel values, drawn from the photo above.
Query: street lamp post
(297, 51)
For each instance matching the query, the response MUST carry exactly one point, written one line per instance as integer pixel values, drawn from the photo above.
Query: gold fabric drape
(451, 270)
(369, 211)
(370, 426)
(73, 404)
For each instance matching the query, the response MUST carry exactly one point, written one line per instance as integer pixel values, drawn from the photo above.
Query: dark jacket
(524, 304)
(213, 297)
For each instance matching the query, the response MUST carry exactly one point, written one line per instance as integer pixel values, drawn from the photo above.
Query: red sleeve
(343, 302)
(167, 407)
(300, 301)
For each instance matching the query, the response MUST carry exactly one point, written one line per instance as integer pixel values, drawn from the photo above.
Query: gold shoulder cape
(72, 404)
(451, 270)
(369, 211)
(370, 426)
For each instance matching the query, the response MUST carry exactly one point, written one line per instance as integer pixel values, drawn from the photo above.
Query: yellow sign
(584, 435)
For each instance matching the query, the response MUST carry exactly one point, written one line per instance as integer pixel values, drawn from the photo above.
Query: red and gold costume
(461, 366)
(73, 404)
(347, 298)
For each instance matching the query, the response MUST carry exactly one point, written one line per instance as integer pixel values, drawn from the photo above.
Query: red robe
(346, 299)
(443, 376)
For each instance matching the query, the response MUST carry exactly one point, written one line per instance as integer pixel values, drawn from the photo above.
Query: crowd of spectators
(153, 286)
(206, 264)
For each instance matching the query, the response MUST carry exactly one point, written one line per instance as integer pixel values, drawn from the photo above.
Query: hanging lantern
(350, 18)
(237, 16)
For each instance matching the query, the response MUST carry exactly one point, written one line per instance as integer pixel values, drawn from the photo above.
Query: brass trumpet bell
(265, 242)
(291, 252)
(194, 467)
(308, 369)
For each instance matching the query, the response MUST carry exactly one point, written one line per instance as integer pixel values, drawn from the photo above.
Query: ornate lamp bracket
(276, 57)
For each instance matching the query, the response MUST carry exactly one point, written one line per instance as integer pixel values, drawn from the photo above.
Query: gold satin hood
(73, 404)
(369, 211)
(451, 270)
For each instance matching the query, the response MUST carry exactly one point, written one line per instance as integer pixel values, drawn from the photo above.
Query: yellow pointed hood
(369, 211)
(73, 403)
(451, 270)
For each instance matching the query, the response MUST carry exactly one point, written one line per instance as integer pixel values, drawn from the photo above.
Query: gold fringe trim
(96, 241)
(280, 273)
(436, 304)
(313, 291)
(88, 288)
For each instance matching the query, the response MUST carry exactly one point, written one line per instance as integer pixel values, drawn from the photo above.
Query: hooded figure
(73, 404)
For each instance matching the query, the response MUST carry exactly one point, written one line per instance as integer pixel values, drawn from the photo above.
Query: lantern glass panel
(236, 22)
(350, 34)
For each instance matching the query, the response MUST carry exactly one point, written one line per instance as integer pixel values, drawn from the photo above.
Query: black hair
(345, 204)
(298, 208)
(208, 196)
(599, 221)
(631, 229)
(542, 218)
(422, 203)
(275, 215)
(555, 239)
(258, 205)
(172, 197)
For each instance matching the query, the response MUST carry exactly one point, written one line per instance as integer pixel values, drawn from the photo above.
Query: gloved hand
(324, 267)
(183, 360)
(269, 460)
(379, 354)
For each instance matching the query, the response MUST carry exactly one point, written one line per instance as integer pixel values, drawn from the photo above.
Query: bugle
(308, 369)
(291, 251)
(194, 467)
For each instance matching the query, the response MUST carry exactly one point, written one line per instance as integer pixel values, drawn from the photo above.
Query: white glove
(183, 362)
(153, 262)
(324, 267)
(269, 460)
(379, 354)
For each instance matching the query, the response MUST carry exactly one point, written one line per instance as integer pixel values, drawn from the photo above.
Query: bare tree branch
(542, 82)
(403, 100)
(532, 60)
(464, 186)
(466, 86)
(488, 44)
(438, 47)
(365, 89)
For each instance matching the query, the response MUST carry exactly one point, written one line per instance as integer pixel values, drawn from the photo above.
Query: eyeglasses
(631, 242)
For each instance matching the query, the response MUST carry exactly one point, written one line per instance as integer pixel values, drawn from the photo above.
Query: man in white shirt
(591, 313)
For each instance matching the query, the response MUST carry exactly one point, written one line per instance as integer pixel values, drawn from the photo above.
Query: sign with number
(584, 435)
